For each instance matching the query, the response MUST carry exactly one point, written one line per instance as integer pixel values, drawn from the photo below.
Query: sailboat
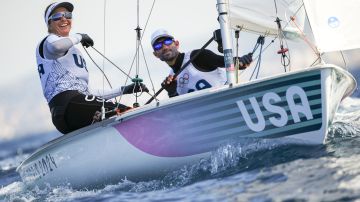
(162, 136)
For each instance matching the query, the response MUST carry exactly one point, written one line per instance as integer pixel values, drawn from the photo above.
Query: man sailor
(206, 71)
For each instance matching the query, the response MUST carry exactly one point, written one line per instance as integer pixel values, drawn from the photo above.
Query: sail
(259, 16)
(334, 23)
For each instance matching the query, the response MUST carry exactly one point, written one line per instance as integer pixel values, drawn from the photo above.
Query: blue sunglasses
(158, 45)
(58, 16)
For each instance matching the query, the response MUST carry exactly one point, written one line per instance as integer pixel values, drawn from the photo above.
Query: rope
(263, 50)
(147, 69)
(343, 57)
(259, 43)
(276, 10)
(147, 20)
(302, 34)
(111, 62)
(136, 57)
(98, 67)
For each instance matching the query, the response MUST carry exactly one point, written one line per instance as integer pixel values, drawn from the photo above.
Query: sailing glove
(135, 88)
(86, 40)
(245, 60)
(170, 85)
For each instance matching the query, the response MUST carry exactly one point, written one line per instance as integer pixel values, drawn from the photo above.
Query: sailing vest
(191, 79)
(68, 72)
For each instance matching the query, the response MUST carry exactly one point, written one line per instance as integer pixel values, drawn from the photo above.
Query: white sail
(260, 16)
(334, 23)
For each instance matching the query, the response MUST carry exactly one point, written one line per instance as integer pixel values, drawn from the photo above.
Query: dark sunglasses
(158, 45)
(58, 16)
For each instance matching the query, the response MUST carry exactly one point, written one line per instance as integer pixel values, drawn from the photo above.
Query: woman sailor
(64, 75)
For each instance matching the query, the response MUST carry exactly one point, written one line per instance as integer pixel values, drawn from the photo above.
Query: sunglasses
(58, 16)
(158, 45)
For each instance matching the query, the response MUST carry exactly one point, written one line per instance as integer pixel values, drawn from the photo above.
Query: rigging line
(283, 36)
(288, 22)
(111, 62)
(147, 68)
(132, 65)
(312, 46)
(98, 67)
(137, 55)
(283, 51)
(318, 58)
(137, 66)
(126, 80)
(318, 54)
(147, 21)
(276, 9)
(262, 51)
(277, 36)
(343, 57)
(259, 63)
(260, 42)
(312, 31)
(285, 59)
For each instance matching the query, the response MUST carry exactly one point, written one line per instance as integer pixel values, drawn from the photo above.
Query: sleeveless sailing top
(191, 79)
(68, 72)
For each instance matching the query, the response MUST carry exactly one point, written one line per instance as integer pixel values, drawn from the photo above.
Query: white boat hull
(155, 139)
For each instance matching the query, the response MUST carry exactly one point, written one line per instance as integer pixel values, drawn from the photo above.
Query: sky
(111, 24)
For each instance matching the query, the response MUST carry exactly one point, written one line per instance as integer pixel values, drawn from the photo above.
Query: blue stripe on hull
(219, 113)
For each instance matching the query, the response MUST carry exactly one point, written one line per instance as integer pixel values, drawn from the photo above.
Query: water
(257, 171)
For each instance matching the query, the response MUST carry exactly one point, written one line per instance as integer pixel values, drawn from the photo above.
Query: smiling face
(60, 27)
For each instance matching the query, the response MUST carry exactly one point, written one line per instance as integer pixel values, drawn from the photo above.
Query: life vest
(68, 72)
(191, 79)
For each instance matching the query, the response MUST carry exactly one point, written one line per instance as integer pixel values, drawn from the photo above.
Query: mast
(222, 6)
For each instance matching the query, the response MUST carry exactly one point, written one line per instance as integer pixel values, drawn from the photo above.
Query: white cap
(54, 6)
(159, 34)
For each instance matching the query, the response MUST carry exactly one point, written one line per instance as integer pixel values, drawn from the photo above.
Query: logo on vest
(41, 70)
(200, 85)
(79, 61)
(183, 80)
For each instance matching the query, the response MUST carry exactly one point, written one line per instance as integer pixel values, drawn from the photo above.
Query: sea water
(255, 170)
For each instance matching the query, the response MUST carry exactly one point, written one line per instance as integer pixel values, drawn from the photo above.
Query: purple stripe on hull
(156, 133)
